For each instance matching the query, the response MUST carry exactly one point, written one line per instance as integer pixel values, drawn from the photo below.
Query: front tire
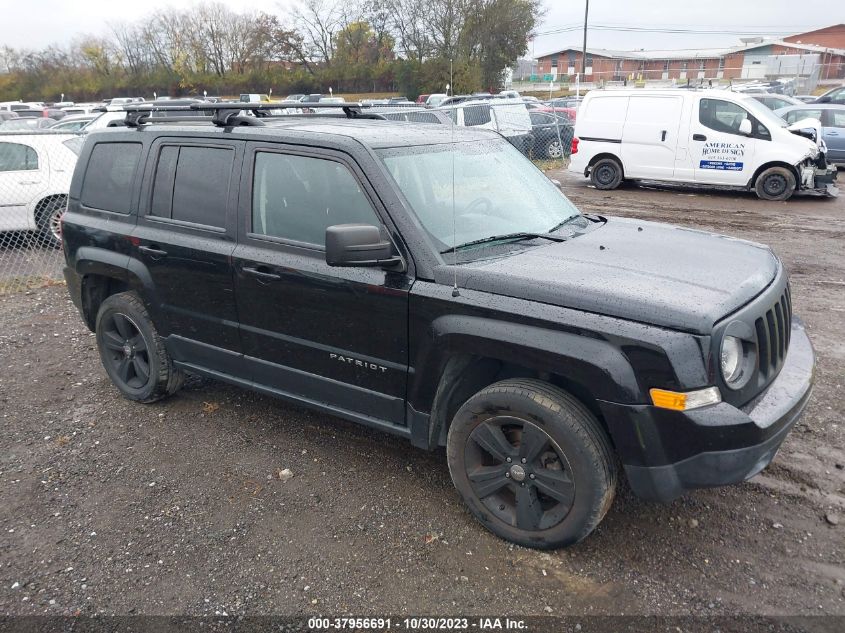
(606, 174)
(132, 352)
(775, 183)
(532, 464)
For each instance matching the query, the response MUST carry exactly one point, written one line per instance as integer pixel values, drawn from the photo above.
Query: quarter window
(298, 197)
(109, 176)
(17, 157)
(192, 184)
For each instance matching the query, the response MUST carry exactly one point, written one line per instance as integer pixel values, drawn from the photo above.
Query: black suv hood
(643, 271)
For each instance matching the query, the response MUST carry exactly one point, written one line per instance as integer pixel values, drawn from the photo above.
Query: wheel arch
(462, 364)
(775, 163)
(601, 156)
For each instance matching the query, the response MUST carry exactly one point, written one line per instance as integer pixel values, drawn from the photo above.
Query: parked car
(13, 106)
(73, 122)
(294, 97)
(421, 99)
(50, 113)
(775, 101)
(436, 99)
(551, 134)
(832, 119)
(255, 98)
(509, 117)
(569, 112)
(707, 137)
(6, 115)
(35, 173)
(126, 100)
(410, 115)
(834, 95)
(482, 313)
(806, 98)
(454, 100)
(26, 124)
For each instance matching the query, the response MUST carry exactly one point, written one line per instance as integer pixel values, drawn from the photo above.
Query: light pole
(584, 48)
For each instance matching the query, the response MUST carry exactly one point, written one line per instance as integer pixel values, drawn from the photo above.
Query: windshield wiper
(557, 227)
(522, 235)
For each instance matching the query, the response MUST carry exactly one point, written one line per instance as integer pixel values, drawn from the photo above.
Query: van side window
(17, 157)
(298, 197)
(108, 178)
(192, 184)
(725, 116)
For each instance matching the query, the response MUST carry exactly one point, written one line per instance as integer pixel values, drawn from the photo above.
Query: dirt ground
(177, 508)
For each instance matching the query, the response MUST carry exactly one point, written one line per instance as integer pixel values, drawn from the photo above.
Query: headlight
(731, 359)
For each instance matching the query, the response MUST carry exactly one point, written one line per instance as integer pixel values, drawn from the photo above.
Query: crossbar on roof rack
(229, 114)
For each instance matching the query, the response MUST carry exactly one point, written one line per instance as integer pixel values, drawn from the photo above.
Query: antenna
(455, 291)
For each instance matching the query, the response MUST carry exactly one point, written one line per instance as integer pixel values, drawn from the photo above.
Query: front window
(726, 117)
(468, 191)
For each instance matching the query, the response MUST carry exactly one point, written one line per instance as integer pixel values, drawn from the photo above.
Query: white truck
(714, 138)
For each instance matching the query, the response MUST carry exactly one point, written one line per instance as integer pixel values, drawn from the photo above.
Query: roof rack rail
(228, 114)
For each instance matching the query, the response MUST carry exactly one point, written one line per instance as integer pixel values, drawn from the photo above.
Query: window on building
(298, 197)
(554, 60)
(109, 176)
(721, 63)
(666, 66)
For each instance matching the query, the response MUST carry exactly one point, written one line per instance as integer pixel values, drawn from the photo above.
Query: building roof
(694, 53)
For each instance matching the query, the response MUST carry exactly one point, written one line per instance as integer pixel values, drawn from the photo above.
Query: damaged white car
(710, 137)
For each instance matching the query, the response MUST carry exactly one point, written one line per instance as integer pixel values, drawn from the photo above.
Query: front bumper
(666, 453)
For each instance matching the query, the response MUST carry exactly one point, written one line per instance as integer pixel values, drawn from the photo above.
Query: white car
(35, 173)
(708, 137)
(508, 117)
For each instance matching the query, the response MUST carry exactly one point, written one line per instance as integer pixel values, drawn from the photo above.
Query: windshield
(762, 113)
(497, 191)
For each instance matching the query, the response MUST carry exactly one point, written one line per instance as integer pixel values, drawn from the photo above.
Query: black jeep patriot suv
(433, 283)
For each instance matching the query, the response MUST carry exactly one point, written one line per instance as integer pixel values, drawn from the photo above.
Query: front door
(720, 153)
(833, 132)
(185, 237)
(332, 337)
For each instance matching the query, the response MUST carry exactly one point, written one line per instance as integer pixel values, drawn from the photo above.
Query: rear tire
(532, 464)
(775, 183)
(132, 352)
(606, 174)
(47, 218)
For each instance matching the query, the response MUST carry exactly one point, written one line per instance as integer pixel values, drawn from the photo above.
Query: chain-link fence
(36, 168)
(35, 171)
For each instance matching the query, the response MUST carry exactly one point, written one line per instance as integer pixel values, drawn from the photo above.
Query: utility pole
(584, 49)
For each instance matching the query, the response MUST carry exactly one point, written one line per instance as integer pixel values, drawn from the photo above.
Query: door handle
(699, 137)
(262, 275)
(28, 182)
(154, 251)
(663, 135)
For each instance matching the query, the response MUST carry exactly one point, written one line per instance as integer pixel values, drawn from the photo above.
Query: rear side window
(298, 197)
(476, 115)
(796, 115)
(17, 157)
(192, 184)
(108, 179)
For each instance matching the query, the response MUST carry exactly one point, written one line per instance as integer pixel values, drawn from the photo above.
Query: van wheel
(532, 463)
(606, 174)
(48, 216)
(776, 183)
(132, 352)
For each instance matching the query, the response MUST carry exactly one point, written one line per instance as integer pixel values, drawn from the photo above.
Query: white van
(708, 137)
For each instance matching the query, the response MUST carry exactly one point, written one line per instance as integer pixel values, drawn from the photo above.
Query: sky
(43, 22)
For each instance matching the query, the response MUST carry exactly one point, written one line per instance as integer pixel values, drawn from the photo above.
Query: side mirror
(745, 127)
(358, 245)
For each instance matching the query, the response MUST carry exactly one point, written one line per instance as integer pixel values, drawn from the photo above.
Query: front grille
(773, 330)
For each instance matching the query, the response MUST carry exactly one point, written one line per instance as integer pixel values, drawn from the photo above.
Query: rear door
(334, 337)
(650, 136)
(720, 153)
(22, 178)
(185, 237)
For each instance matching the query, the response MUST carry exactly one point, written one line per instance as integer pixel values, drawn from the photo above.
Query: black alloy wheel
(519, 473)
(126, 351)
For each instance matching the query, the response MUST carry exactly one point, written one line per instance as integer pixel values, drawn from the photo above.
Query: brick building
(754, 59)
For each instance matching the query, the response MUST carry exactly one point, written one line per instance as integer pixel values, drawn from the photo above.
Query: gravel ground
(177, 508)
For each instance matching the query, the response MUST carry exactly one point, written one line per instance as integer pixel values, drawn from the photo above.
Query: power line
(671, 30)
